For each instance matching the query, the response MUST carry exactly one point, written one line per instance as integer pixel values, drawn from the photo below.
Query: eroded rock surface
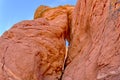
(35, 49)
(94, 52)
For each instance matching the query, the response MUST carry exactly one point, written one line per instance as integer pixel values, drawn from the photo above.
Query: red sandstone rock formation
(35, 49)
(94, 52)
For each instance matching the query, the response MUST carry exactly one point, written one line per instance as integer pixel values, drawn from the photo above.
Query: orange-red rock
(94, 52)
(35, 49)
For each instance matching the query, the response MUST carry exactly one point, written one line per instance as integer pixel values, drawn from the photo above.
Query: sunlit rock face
(94, 52)
(51, 13)
(35, 49)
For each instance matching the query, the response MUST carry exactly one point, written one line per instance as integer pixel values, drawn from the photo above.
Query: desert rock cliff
(36, 49)
(94, 52)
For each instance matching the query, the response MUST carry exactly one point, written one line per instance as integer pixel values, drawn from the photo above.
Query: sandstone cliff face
(94, 52)
(35, 49)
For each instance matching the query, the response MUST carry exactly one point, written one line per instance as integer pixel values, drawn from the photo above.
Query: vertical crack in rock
(64, 65)
(69, 19)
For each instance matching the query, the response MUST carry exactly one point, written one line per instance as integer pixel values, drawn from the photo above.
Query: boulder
(35, 49)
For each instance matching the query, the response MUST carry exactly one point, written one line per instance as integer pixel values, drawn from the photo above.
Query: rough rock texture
(35, 49)
(94, 52)
(50, 13)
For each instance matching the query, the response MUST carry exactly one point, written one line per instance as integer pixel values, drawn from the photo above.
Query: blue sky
(13, 11)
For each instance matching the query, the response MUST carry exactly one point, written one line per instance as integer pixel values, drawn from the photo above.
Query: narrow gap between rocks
(64, 65)
(67, 45)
